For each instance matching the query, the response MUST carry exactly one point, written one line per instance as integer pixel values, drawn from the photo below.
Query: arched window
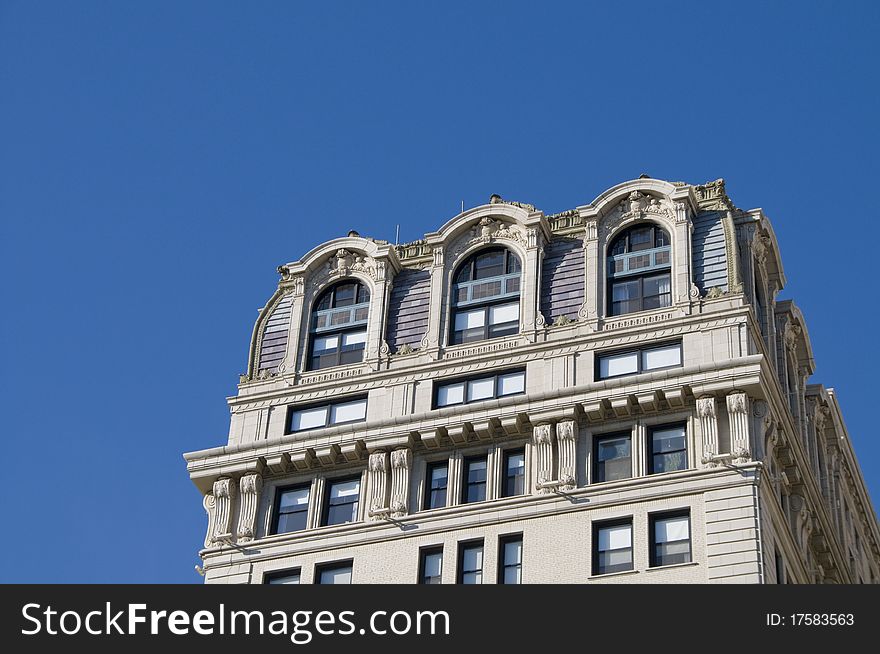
(339, 326)
(639, 270)
(485, 296)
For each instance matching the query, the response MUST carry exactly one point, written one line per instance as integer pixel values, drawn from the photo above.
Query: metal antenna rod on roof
(462, 206)
(397, 235)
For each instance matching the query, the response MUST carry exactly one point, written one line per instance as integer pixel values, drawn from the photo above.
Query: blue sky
(158, 160)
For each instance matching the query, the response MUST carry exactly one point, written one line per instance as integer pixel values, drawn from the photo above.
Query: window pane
(513, 552)
(490, 264)
(668, 439)
(345, 294)
(476, 471)
(354, 339)
(348, 412)
(309, 418)
(513, 575)
(480, 389)
(615, 537)
(641, 239)
(613, 459)
(436, 491)
(450, 394)
(504, 313)
(340, 575)
(432, 567)
(512, 383)
(344, 491)
(672, 529)
(324, 343)
(514, 476)
(469, 319)
(618, 364)
(292, 578)
(294, 499)
(472, 559)
(661, 357)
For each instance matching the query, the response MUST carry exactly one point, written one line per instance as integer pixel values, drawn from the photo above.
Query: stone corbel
(738, 414)
(224, 509)
(542, 437)
(250, 484)
(377, 471)
(566, 439)
(210, 504)
(708, 417)
(401, 465)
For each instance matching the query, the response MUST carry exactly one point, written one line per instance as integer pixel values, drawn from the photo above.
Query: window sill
(607, 575)
(672, 565)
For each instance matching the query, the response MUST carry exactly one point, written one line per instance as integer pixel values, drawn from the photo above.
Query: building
(607, 394)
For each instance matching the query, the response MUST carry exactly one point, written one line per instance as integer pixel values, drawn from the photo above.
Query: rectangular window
(463, 391)
(338, 349)
(327, 414)
(640, 294)
(282, 577)
(485, 322)
(437, 479)
(631, 362)
(430, 565)
(612, 547)
(341, 504)
(474, 487)
(668, 446)
(470, 562)
(670, 539)
(333, 573)
(291, 509)
(613, 457)
(510, 550)
(514, 473)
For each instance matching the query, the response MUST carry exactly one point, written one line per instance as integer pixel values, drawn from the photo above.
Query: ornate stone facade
(560, 426)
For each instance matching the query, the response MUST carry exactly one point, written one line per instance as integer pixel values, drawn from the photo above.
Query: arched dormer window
(339, 326)
(639, 270)
(485, 296)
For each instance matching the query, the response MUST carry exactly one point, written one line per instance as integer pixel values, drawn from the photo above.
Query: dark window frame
(475, 378)
(325, 566)
(276, 507)
(505, 478)
(453, 339)
(426, 499)
(465, 484)
(424, 553)
(329, 404)
(603, 524)
(343, 329)
(613, 435)
(641, 277)
(638, 351)
(653, 518)
(325, 510)
(503, 541)
(279, 574)
(465, 545)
